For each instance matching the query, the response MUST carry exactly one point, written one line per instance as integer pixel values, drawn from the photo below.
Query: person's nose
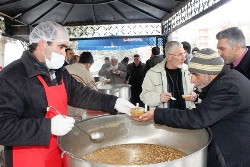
(183, 58)
(220, 52)
(63, 53)
(193, 79)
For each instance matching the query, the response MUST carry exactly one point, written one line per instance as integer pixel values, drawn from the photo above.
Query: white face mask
(56, 61)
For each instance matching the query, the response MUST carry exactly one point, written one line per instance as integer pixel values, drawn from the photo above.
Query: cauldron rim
(209, 133)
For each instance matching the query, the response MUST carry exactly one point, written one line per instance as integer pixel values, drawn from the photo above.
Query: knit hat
(86, 57)
(206, 61)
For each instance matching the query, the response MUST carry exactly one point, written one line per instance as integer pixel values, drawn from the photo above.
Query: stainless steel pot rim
(107, 165)
(113, 86)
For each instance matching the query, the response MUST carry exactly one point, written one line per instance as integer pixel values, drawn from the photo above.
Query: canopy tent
(115, 44)
(18, 17)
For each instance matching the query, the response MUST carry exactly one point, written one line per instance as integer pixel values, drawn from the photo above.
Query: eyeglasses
(181, 54)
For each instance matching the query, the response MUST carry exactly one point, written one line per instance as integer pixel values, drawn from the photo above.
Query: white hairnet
(48, 31)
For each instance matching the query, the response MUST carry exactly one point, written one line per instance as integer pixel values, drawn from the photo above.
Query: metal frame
(2, 25)
(93, 2)
(189, 12)
(113, 31)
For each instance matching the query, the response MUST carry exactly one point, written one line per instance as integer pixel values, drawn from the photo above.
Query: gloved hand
(123, 106)
(61, 125)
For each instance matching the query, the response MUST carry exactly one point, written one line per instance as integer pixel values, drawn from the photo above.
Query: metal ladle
(96, 137)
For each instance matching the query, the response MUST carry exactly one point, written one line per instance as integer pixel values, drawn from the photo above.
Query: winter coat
(81, 74)
(114, 78)
(225, 109)
(155, 83)
(23, 102)
(244, 66)
(152, 62)
(135, 79)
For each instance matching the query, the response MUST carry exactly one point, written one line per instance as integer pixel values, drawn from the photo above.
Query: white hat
(114, 57)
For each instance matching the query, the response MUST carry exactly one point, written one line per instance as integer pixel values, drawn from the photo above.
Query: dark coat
(225, 109)
(23, 103)
(152, 62)
(114, 78)
(135, 78)
(244, 66)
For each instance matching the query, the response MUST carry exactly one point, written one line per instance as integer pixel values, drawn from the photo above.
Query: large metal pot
(120, 129)
(119, 90)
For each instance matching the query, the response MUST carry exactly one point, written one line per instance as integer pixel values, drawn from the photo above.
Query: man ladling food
(33, 89)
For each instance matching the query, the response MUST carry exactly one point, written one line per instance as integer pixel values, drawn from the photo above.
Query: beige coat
(81, 74)
(155, 83)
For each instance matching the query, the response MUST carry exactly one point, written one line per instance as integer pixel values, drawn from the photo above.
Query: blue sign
(115, 44)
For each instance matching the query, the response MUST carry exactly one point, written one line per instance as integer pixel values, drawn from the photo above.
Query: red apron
(44, 156)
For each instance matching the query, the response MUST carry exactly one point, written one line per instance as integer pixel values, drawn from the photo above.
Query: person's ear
(237, 48)
(42, 44)
(169, 57)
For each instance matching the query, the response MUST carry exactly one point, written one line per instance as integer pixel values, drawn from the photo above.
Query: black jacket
(244, 66)
(23, 103)
(225, 109)
(152, 62)
(135, 78)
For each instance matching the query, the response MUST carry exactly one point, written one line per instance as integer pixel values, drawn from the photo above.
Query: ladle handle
(55, 111)
(75, 124)
(81, 130)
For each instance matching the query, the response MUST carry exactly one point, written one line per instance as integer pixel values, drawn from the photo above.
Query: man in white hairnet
(33, 90)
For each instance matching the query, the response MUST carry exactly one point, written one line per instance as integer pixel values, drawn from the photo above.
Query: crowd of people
(217, 85)
(222, 78)
(43, 82)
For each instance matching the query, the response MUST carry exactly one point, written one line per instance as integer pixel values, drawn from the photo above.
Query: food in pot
(137, 111)
(134, 154)
(186, 97)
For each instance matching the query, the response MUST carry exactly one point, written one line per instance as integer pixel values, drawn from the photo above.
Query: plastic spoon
(172, 98)
(146, 108)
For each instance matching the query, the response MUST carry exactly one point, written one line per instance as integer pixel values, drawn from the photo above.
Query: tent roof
(87, 12)
(21, 15)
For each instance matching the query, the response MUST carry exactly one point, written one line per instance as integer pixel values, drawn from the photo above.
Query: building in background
(201, 32)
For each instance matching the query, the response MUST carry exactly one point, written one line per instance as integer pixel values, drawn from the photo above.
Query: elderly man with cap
(225, 109)
(35, 91)
(114, 71)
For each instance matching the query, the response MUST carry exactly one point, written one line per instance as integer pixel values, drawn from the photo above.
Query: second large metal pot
(119, 90)
(120, 129)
